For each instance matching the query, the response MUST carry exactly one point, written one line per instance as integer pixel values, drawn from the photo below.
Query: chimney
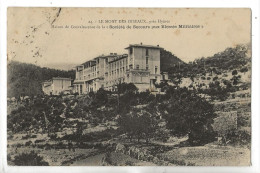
(111, 53)
(157, 45)
(141, 43)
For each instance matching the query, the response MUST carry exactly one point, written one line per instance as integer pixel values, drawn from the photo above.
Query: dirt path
(95, 160)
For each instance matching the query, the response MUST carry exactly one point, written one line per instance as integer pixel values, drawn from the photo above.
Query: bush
(33, 136)
(29, 159)
(215, 78)
(234, 72)
(9, 158)
(239, 137)
(53, 136)
(129, 163)
(28, 143)
(39, 140)
(26, 137)
(19, 145)
(243, 70)
(10, 137)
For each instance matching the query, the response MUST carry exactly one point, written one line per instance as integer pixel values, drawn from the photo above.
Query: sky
(33, 39)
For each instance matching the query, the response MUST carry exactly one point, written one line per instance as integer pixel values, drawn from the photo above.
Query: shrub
(33, 136)
(215, 78)
(9, 158)
(10, 137)
(239, 137)
(53, 136)
(19, 145)
(234, 72)
(28, 143)
(30, 159)
(26, 137)
(129, 163)
(243, 70)
(39, 140)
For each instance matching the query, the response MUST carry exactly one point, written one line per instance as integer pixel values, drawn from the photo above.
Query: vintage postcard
(128, 86)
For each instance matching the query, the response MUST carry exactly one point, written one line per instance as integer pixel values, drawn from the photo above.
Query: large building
(141, 66)
(56, 86)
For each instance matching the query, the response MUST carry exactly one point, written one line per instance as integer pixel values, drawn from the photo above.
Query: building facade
(141, 66)
(56, 86)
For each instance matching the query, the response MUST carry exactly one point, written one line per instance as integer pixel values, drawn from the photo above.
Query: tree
(177, 80)
(244, 70)
(236, 79)
(224, 125)
(234, 72)
(101, 97)
(138, 124)
(188, 114)
(126, 87)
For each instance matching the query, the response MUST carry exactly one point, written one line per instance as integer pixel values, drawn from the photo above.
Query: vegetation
(230, 59)
(188, 114)
(168, 60)
(29, 159)
(25, 79)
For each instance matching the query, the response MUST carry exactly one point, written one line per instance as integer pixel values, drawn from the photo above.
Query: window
(146, 52)
(137, 66)
(147, 66)
(131, 50)
(163, 77)
(155, 69)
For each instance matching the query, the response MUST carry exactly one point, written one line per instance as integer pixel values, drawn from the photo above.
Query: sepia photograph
(128, 86)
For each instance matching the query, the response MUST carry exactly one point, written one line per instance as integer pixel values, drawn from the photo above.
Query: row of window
(118, 64)
(146, 51)
(147, 67)
(113, 82)
(114, 73)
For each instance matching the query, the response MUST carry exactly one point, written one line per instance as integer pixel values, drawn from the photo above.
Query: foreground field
(148, 155)
(210, 156)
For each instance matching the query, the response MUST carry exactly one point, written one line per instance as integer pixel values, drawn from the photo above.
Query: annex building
(56, 86)
(141, 66)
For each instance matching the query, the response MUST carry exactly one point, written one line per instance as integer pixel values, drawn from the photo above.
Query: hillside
(168, 60)
(26, 79)
(238, 57)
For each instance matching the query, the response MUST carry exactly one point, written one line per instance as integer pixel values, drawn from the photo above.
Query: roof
(114, 55)
(45, 86)
(144, 46)
(60, 78)
(118, 58)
